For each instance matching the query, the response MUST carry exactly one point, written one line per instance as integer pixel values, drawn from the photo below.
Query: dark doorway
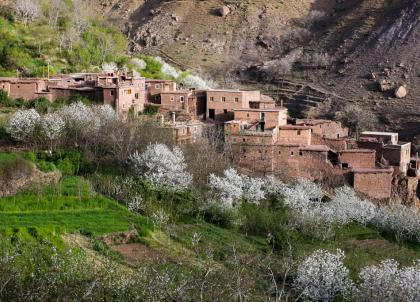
(212, 114)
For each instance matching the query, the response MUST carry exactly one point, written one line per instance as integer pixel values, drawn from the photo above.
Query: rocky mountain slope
(370, 47)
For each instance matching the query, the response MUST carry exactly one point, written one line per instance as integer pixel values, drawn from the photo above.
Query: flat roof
(231, 90)
(261, 110)
(372, 170)
(176, 92)
(358, 151)
(379, 133)
(158, 80)
(294, 127)
(318, 148)
(313, 121)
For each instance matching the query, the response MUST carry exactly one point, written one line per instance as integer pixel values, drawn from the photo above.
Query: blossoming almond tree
(232, 186)
(162, 166)
(23, 124)
(322, 276)
(52, 126)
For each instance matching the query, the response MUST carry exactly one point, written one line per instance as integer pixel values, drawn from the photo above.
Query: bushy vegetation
(62, 36)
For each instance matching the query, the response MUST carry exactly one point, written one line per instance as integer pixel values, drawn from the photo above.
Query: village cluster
(262, 139)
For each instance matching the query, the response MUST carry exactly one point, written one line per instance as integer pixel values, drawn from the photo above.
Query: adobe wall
(27, 91)
(375, 185)
(378, 147)
(335, 144)
(132, 96)
(223, 111)
(294, 136)
(398, 156)
(272, 118)
(175, 101)
(357, 158)
(154, 88)
(331, 130)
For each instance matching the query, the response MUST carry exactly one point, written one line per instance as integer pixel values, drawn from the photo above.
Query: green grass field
(70, 206)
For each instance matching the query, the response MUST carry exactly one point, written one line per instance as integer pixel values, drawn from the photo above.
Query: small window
(134, 101)
(157, 86)
(247, 115)
(300, 153)
(181, 99)
(279, 152)
(111, 92)
(211, 99)
(291, 153)
(243, 140)
(345, 165)
(298, 132)
(236, 100)
(172, 98)
(136, 96)
(223, 99)
(225, 111)
(128, 91)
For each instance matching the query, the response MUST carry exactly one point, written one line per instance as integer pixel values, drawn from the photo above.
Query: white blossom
(109, 67)
(139, 63)
(194, 81)
(162, 167)
(387, 282)
(80, 118)
(135, 204)
(106, 114)
(229, 187)
(52, 126)
(253, 189)
(167, 69)
(27, 10)
(322, 276)
(304, 195)
(22, 125)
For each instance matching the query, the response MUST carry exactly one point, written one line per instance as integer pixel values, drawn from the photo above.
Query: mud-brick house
(154, 88)
(191, 101)
(124, 92)
(374, 182)
(388, 148)
(25, 88)
(222, 103)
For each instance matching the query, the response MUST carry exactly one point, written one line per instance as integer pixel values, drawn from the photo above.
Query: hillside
(354, 39)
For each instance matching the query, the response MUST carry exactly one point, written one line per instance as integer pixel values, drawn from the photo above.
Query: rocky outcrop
(14, 184)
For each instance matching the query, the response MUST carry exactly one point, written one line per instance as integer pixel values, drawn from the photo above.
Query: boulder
(224, 11)
(401, 92)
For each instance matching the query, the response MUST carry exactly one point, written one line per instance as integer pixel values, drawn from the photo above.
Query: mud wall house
(154, 88)
(222, 103)
(127, 93)
(375, 183)
(186, 101)
(270, 117)
(27, 88)
(357, 158)
(325, 128)
(398, 155)
(291, 134)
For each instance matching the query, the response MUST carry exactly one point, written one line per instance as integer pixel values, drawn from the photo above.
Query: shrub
(5, 100)
(151, 109)
(45, 166)
(66, 166)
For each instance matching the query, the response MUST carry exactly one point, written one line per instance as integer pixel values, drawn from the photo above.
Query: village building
(123, 91)
(154, 88)
(221, 104)
(191, 102)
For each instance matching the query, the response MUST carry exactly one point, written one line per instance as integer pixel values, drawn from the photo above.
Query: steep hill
(361, 41)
